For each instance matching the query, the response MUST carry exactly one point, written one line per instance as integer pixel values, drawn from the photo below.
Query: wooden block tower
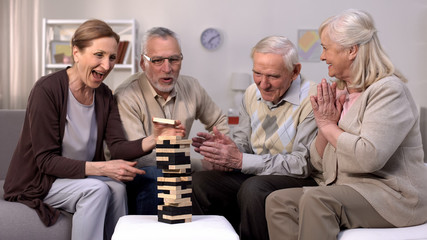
(173, 157)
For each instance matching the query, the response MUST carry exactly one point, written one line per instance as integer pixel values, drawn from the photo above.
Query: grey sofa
(17, 221)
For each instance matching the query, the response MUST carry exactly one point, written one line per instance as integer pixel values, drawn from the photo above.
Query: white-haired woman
(368, 155)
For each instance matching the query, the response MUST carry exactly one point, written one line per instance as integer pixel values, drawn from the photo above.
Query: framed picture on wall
(309, 48)
(60, 52)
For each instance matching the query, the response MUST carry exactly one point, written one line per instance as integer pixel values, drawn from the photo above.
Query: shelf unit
(60, 31)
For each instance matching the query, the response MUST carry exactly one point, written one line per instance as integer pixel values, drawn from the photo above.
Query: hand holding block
(164, 121)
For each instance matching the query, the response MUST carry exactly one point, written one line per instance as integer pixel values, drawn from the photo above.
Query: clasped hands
(326, 107)
(219, 151)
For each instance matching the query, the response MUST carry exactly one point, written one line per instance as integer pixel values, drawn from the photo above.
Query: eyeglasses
(158, 61)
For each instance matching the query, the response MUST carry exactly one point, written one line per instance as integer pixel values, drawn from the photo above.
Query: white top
(81, 131)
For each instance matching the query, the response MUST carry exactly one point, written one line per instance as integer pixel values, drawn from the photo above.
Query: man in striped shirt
(270, 147)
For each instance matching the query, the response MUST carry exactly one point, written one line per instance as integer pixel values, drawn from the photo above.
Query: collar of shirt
(292, 95)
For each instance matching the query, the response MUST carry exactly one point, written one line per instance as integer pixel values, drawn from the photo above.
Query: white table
(146, 227)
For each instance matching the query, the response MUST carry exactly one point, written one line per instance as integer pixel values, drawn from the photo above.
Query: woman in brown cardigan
(59, 160)
(368, 154)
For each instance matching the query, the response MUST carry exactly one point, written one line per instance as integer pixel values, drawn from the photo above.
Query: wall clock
(211, 38)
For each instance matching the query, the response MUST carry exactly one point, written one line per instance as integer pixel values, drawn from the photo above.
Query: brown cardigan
(37, 160)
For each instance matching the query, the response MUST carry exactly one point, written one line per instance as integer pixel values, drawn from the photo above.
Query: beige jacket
(380, 154)
(137, 105)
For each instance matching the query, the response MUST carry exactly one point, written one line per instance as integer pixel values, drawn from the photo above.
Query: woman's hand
(327, 112)
(326, 108)
(119, 170)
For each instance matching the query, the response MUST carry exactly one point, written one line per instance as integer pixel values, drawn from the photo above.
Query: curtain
(20, 48)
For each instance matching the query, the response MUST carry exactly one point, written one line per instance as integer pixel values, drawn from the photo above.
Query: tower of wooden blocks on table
(173, 157)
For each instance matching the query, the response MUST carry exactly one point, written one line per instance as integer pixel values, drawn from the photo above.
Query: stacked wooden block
(173, 157)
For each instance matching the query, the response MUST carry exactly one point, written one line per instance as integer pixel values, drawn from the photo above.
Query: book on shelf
(126, 59)
(121, 51)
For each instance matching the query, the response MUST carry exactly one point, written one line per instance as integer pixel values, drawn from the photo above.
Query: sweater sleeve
(115, 137)
(379, 136)
(44, 113)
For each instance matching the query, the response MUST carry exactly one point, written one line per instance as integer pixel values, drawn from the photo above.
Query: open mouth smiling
(97, 75)
(167, 80)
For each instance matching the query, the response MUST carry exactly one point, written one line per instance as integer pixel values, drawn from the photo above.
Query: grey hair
(355, 27)
(278, 45)
(161, 32)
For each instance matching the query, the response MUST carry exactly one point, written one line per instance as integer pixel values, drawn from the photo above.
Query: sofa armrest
(18, 221)
(11, 122)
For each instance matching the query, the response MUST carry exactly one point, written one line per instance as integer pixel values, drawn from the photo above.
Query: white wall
(401, 24)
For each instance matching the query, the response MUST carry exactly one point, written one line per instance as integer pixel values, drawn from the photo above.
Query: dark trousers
(240, 198)
(142, 192)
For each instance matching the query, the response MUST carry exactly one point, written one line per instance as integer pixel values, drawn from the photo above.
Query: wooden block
(180, 191)
(162, 159)
(186, 184)
(170, 188)
(168, 179)
(166, 145)
(171, 156)
(178, 217)
(163, 162)
(174, 150)
(161, 218)
(168, 201)
(186, 178)
(174, 179)
(176, 171)
(174, 210)
(183, 166)
(173, 188)
(169, 182)
(172, 166)
(181, 204)
(177, 175)
(180, 157)
(162, 140)
(173, 196)
(164, 121)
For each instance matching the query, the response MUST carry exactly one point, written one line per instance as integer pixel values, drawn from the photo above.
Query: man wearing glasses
(159, 91)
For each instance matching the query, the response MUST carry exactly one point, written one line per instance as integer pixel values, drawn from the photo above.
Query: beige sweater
(137, 105)
(380, 154)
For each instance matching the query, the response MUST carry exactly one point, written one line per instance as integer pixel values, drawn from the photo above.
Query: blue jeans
(142, 192)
